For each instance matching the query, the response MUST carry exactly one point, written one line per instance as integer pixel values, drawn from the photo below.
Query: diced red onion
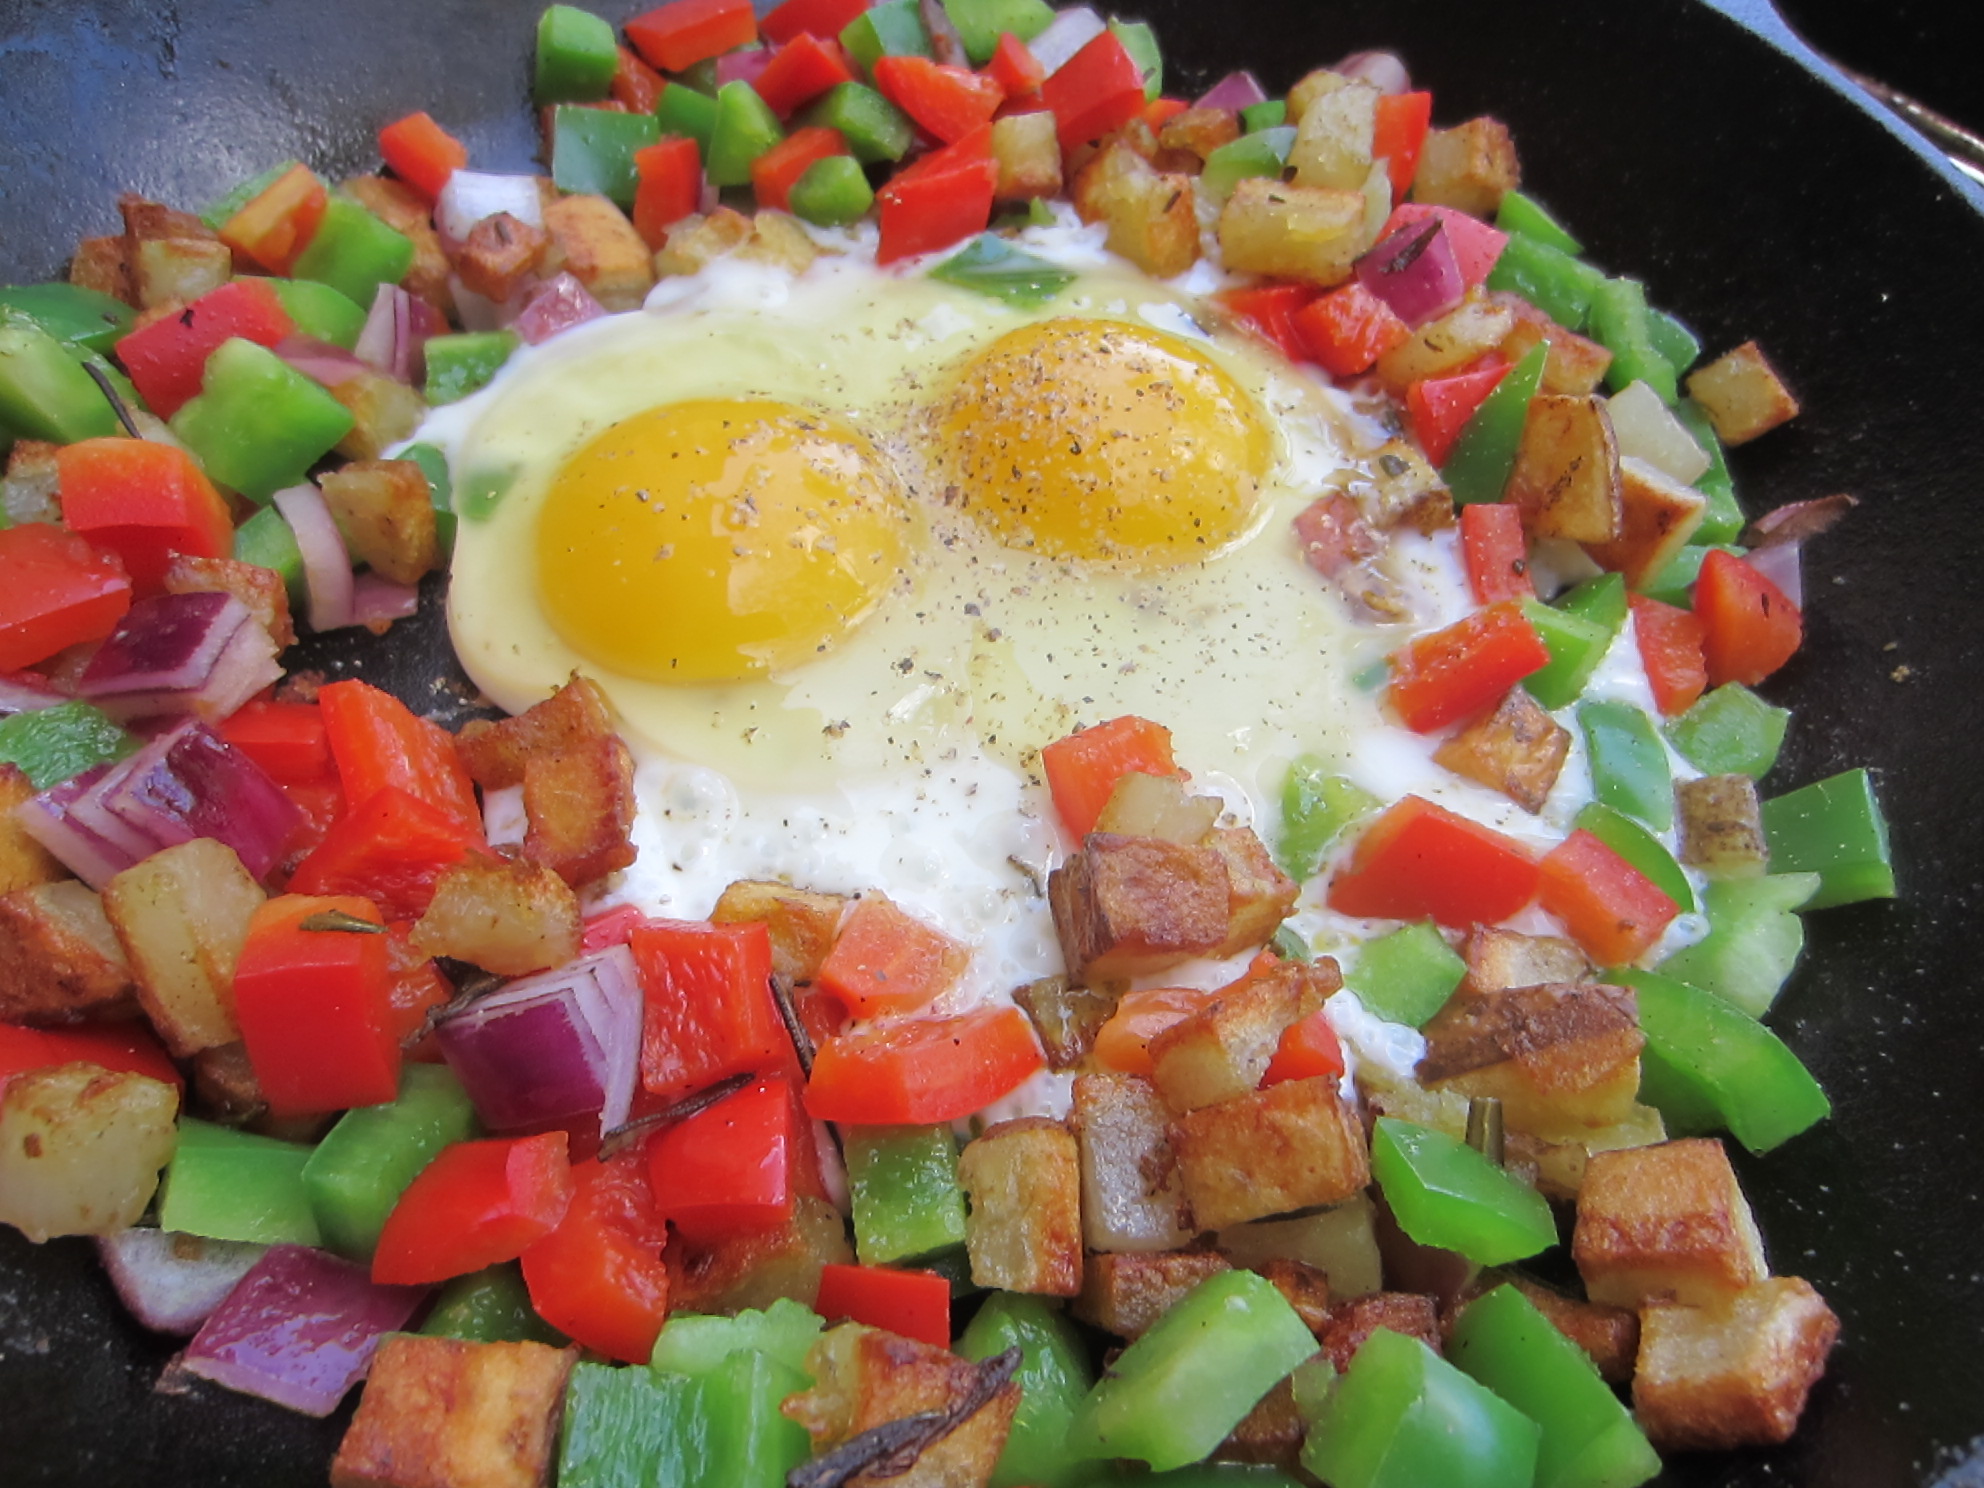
(202, 654)
(558, 304)
(325, 364)
(1784, 565)
(1476, 245)
(24, 692)
(710, 198)
(471, 196)
(1065, 35)
(1415, 272)
(377, 600)
(169, 1282)
(326, 563)
(1382, 70)
(50, 819)
(192, 783)
(300, 1329)
(1798, 521)
(1237, 90)
(745, 65)
(550, 1048)
(396, 333)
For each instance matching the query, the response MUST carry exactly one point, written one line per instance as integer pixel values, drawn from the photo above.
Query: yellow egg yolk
(717, 540)
(1099, 440)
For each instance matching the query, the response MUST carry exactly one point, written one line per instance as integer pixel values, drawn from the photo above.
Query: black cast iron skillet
(1753, 197)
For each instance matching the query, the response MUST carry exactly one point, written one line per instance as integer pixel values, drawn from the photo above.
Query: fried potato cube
(1566, 475)
(801, 924)
(1562, 1057)
(384, 411)
(182, 917)
(1742, 394)
(505, 916)
(1447, 343)
(172, 256)
(385, 510)
(1223, 1049)
(1657, 516)
(592, 240)
(1143, 805)
(1722, 828)
(1405, 491)
(1574, 364)
(1292, 1146)
(445, 1413)
(1412, 1313)
(1470, 167)
(1152, 218)
(1312, 86)
(1259, 895)
(261, 589)
(698, 241)
(1029, 156)
(1306, 1287)
(1498, 958)
(1126, 906)
(755, 1270)
(579, 803)
(102, 264)
(1271, 1434)
(1126, 1293)
(81, 1148)
(496, 754)
(1665, 1221)
(778, 239)
(225, 1087)
(1066, 1018)
(1197, 132)
(24, 862)
(1610, 1335)
(411, 215)
(1334, 137)
(1024, 1228)
(1712, 1379)
(59, 959)
(1132, 1197)
(1311, 233)
(32, 480)
(1340, 1241)
(500, 254)
(1518, 749)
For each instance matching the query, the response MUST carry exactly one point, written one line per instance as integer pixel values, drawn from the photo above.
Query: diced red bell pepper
(286, 739)
(884, 961)
(315, 1006)
(322, 803)
(378, 741)
(949, 102)
(1670, 642)
(1333, 535)
(1123, 1042)
(710, 1013)
(1308, 1048)
(1752, 627)
(599, 1277)
(1399, 135)
(144, 502)
(1083, 768)
(800, 72)
(922, 1070)
(915, 1304)
(1348, 329)
(415, 987)
(636, 86)
(56, 591)
(1476, 245)
(777, 171)
(122, 1048)
(421, 153)
(391, 847)
(1615, 912)
(1418, 859)
(1014, 65)
(678, 35)
(734, 1168)
(610, 927)
(1465, 668)
(670, 186)
(1160, 111)
(825, 19)
(942, 199)
(476, 1204)
(1097, 90)
(1269, 311)
(1438, 408)
(168, 357)
(1496, 551)
(278, 222)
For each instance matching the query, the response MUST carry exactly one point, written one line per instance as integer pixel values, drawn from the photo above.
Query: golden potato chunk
(81, 1149)
(1735, 1376)
(172, 257)
(1270, 1435)
(1722, 827)
(1334, 136)
(1197, 132)
(1127, 906)
(579, 803)
(496, 754)
(1024, 1229)
(24, 862)
(1292, 1146)
(182, 917)
(508, 917)
(1143, 805)
(500, 254)
(592, 240)
(1125, 1294)
(1610, 1335)
(1222, 1050)
(779, 239)
(802, 924)
(1742, 394)
(103, 265)
(1518, 749)
(1447, 343)
(1470, 167)
(1665, 1222)
(1498, 958)
(59, 959)
(385, 510)
(1340, 1241)
(1306, 1287)
(1350, 1323)
(1152, 217)
(1259, 895)
(1574, 364)
(384, 411)
(698, 241)
(1311, 233)
(755, 1270)
(1566, 475)
(1029, 156)
(1657, 516)
(1132, 1198)
(1562, 1057)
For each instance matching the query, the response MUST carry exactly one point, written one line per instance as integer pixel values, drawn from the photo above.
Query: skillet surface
(1754, 199)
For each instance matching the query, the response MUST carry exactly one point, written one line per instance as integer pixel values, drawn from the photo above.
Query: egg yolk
(717, 540)
(1101, 440)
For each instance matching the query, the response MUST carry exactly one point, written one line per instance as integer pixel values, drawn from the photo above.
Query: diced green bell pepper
(904, 1183)
(267, 539)
(993, 266)
(1753, 940)
(1522, 214)
(1589, 1439)
(464, 363)
(1709, 1066)
(875, 129)
(1269, 114)
(71, 313)
(1478, 466)
(696, 1344)
(224, 1184)
(749, 1441)
(1261, 153)
(577, 56)
(702, 76)
(592, 151)
(1629, 770)
(629, 1428)
(1552, 280)
(745, 128)
(1406, 975)
(44, 392)
(1445, 1194)
(1316, 806)
(51, 745)
(979, 23)
(1619, 322)
(1675, 582)
(1723, 520)
(440, 487)
(1639, 847)
(1053, 1376)
(685, 111)
(1289, 946)
(1207, 1475)
(1730, 731)
(489, 1306)
(1673, 340)
(1140, 41)
(1576, 646)
(1403, 1417)
(320, 311)
(1833, 828)
(366, 1161)
(217, 213)
(1175, 1393)
(1601, 599)
(258, 424)
(832, 193)
(354, 252)
(892, 29)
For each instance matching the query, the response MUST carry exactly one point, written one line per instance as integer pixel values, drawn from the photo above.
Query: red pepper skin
(942, 199)
(391, 847)
(1160, 111)
(56, 590)
(735, 1168)
(800, 72)
(709, 1007)
(273, 228)
(950, 102)
(1496, 552)
(670, 186)
(1083, 768)
(1460, 671)
(635, 86)
(1752, 627)
(475, 1205)
(1418, 859)
(1097, 90)
(1611, 909)
(168, 357)
(1332, 535)
(315, 1007)
(378, 742)
(915, 1304)
(1401, 123)
(599, 1277)
(1671, 649)
(286, 739)
(610, 927)
(414, 988)
(774, 173)
(922, 1070)
(884, 961)
(1348, 329)
(678, 35)
(1269, 310)
(421, 153)
(825, 19)
(144, 502)
(1018, 71)
(1308, 1048)
(122, 1048)
(1438, 408)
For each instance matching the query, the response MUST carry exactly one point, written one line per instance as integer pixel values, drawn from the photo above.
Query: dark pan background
(1756, 201)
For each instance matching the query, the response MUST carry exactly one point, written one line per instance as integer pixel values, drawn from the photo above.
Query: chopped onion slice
(23, 692)
(1784, 565)
(1237, 90)
(558, 304)
(300, 1329)
(202, 654)
(378, 601)
(325, 364)
(1415, 271)
(169, 1282)
(1382, 70)
(326, 563)
(471, 196)
(50, 819)
(1065, 35)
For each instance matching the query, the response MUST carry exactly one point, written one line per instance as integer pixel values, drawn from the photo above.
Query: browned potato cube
(1722, 828)
(1029, 156)
(1199, 131)
(81, 1148)
(1498, 958)
(755, 1270)
(696, 242)
(59, 959)
(1560, 1166)
(500, 254)
(1712, 1379)
(172, 256)
(802, 924)
(1471, 166)
(1292, 1146)
(102, 264)
(1259, 895)
(1742, 394)
(1306, 1287)
(1125, 1294)
(592, 240)
(410, 215)
(1132, 1198)
(1271, 1434)
(446, 1413)
(1340, 1241)
(224, 1086)
(496, 754)
(384, 411)
(580, 805)
(1333, 138)
(31, 483)
(1311, 233)
(261, 589)
(1157, 806)
(1610, 1335)
(1152, 218)
(1562, 1057)
(386, 513)
(1405, 491)
(1024, 1229)
(1447, 343)
(1566, 475)
(508, 917)
(1223, 1049)
(1657, 516)
(1350, 1323)
(1574, 364)
(24, 862)
(1126, 906)
(1066, 1018)
(778, 239)
(1518, 749)
(1665, 1221)
(182, 917)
